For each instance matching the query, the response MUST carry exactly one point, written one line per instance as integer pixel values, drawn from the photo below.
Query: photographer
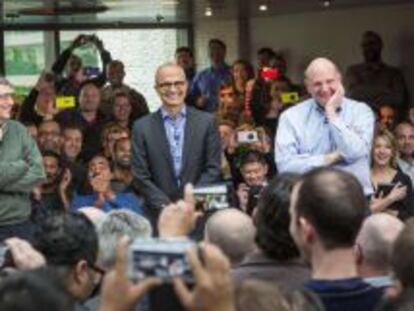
(39, 104)
(253, 168)
(69, 84)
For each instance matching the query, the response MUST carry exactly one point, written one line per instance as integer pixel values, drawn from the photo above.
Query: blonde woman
(393, 189)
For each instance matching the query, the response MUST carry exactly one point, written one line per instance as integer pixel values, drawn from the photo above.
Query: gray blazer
(152, 164)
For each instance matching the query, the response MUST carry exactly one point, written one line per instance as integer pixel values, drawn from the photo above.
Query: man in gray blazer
(174, 146)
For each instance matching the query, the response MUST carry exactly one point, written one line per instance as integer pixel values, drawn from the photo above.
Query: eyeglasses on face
(169, 85)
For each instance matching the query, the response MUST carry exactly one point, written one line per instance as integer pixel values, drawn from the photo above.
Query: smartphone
(92, 72)
(247, 137)
(209, 198)
(269, 73)
(65, 102)
(385, 189)
(161, 258)
(289, 98)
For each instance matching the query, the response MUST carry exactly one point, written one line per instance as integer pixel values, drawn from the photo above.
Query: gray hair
(117, 224)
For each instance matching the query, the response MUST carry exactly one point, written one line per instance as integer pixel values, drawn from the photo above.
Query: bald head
(171, 86)
(169, 68)
(319, 65)
(322, 79)
(232, 231)
(376, 239)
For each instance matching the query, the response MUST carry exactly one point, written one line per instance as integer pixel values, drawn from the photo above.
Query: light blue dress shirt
(207, 83)
(174, 129)
(305, 136)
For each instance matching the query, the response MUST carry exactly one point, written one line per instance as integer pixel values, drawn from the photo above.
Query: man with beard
(52, 195)
(115, 73)
(404, 132)
(123, 177)
(48, 137)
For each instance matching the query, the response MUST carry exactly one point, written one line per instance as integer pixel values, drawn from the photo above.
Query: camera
(253, 198)
(213, 197)
(247, 137)
(289, 98)
(161, 258)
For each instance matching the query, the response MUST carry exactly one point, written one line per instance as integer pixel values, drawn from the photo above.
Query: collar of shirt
(181, 114)
(220, 70)
(3, 129)
(321, 109)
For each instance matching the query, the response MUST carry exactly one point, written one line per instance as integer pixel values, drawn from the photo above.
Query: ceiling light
(326, 3)
(263, 7)
(208, 12)
(169, 2)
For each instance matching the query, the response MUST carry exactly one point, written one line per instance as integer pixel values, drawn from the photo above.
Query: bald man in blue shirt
(327, 129)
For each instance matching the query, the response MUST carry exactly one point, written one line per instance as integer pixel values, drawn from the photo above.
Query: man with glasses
(69, 243)
(173, 146)
(21, 169)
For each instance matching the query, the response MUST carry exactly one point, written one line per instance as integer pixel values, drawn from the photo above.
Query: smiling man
(175, 145)
(327, 129)
(21, 169)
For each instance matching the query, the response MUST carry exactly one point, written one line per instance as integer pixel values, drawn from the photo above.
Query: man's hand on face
(334, 102)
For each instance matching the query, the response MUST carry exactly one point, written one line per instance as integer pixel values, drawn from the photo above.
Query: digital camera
(163, 258)
(212, 197)
(247, 137)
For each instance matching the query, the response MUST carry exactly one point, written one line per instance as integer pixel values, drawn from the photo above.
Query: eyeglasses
(169, 85)
(99, 272)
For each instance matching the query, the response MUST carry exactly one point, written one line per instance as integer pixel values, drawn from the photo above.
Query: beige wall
(336, 34)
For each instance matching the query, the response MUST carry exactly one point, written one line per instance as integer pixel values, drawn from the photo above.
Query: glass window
(141, 51)
(24, 58)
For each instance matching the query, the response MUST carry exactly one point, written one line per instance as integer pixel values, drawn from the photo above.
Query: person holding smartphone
(393, 189)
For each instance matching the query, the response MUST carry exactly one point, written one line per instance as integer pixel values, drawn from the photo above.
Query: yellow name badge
(65, 102)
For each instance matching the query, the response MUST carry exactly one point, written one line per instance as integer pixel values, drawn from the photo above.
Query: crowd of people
(318, 177)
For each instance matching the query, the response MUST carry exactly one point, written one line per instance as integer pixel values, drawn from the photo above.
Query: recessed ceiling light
(326, 3)
(170, 2)
(263, 7)
(208, 12)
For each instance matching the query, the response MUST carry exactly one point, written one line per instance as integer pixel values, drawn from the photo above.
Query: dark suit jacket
(152, 164)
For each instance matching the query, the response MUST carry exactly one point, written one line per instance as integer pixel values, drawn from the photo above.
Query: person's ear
(359, 254)
(80, 272)
(266, 169)
(308, 230)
